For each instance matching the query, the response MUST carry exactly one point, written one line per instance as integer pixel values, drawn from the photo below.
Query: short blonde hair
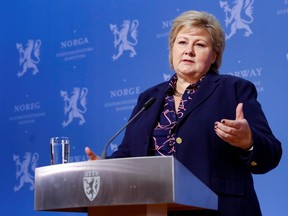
(203, 20)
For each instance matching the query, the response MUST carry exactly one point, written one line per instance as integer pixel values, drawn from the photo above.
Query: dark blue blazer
(223, 168)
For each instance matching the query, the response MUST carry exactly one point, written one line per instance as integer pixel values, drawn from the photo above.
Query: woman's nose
(189, 51)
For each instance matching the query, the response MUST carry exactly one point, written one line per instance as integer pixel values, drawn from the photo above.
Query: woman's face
(192, 53)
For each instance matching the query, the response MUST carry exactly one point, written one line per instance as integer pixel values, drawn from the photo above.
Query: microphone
(145, 107)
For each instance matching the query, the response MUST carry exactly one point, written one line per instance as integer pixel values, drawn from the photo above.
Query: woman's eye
(182, 42)
(200, 45)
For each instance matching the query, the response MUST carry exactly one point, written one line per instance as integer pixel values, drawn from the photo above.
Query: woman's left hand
(236, 132)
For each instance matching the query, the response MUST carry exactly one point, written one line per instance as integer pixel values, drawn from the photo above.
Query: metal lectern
(126, 186)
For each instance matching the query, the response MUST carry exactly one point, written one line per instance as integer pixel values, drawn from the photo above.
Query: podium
(126, 186)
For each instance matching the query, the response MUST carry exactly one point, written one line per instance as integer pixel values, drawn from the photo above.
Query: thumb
(239, 111)
(91, 155)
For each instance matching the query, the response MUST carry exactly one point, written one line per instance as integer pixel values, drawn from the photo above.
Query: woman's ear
(214, 57)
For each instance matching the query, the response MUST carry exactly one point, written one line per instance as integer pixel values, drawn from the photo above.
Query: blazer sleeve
(267, 150)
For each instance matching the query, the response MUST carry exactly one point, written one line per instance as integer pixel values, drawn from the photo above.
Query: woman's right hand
(91, 155)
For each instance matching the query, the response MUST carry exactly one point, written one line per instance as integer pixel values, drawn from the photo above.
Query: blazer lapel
(206, 89)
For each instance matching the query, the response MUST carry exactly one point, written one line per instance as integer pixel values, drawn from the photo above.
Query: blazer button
(253, 163)
(179, 140)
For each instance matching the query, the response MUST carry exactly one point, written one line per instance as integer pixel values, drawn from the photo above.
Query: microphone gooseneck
(145, 107)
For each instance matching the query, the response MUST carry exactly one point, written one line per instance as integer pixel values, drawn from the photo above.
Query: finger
(229, 127)
(239, 112)
(228, 134)
(224, 135)
(90, 154)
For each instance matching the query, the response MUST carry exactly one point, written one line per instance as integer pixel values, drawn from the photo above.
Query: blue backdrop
(75, 68)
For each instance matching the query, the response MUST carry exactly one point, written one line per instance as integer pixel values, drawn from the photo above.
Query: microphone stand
(145, 106)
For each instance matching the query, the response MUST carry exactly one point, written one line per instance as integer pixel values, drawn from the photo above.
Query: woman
(211, 123)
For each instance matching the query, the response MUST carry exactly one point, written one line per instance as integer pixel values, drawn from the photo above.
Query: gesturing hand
(91, 155)
(236, 132)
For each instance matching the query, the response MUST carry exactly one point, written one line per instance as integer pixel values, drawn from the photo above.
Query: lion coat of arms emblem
(121, 41)
(91, 183)
(25, 169)
(71, 108)
(234, 19)
(29, 56)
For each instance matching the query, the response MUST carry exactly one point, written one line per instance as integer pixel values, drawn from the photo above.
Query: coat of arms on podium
(91, 183)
